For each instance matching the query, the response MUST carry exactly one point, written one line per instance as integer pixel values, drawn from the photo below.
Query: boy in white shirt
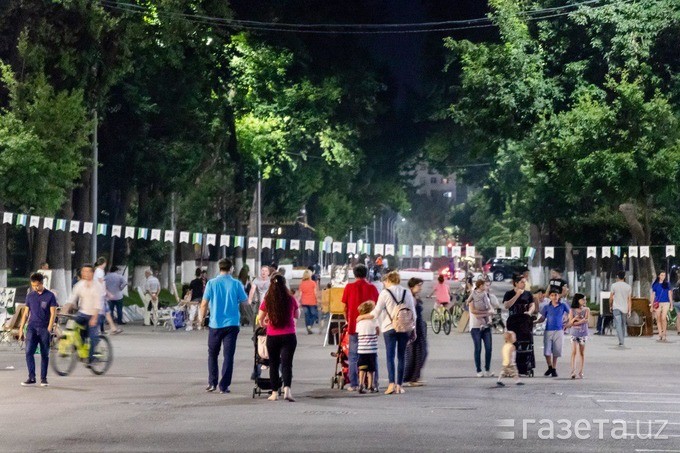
(367, 331)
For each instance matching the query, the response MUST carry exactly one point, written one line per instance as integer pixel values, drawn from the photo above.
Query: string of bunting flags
(225, 240)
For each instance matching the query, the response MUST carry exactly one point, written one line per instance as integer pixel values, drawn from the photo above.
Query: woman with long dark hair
(416, 351)
(661, 302)
(278, 313)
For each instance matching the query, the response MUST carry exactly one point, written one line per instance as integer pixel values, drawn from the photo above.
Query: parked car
(502, 268)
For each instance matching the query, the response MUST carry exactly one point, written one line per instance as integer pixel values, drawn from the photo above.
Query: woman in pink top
(441, 292)
(278, 313)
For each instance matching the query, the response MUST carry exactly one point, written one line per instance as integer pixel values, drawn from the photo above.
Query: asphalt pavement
(153, 399)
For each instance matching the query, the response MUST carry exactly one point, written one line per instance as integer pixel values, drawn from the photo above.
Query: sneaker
(225, 390)
(362, 390)
(554, 372)
(309, 330)
(488, 374)
(44, 383)
(520, 383)
(500, 384)
(28, 382)
(549, 372)
(351, 389)
(189, 329)
(480, 374)
(210, 388)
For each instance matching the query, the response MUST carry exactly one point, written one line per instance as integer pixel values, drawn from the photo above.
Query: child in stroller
(261, 359)
(341, 374)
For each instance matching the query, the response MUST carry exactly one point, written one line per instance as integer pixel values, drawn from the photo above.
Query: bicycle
(71, 348)
(440, 317)
(456, 310)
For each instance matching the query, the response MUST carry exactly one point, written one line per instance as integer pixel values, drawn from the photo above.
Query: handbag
(262, 347)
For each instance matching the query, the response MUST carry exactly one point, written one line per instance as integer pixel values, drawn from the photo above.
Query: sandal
(390, 389)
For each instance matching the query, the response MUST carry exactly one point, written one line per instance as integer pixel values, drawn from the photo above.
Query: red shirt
(354, 295)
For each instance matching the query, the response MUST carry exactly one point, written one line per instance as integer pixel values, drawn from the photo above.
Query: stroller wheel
(341, 382)
(254, 392)
(333, 382)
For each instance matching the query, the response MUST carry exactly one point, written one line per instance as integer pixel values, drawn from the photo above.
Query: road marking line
(636, 393)
(664, 451)
(642, 412)
(638, 401)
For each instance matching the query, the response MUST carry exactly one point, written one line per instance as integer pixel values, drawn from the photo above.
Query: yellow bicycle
(71, 348)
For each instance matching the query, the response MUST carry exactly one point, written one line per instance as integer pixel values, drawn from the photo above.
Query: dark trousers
(395, 344)
(479, 336)
(116, 307)
(281, 350)
(92, 331)
(218, 338)
(37, 336)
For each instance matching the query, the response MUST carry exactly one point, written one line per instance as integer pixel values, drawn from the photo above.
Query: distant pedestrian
(223, 294)
(278, 313)
(152, 288)
(416, 351)
(115, 284)
(509, 353)
(621, 302)
(309, 292)
(661, 296)
(247, 317)
(553, 337)
(558, 284)
(258, 290)
(197, 287)
(578, 320)
(41, 312)
(105, 315)
(481, 313)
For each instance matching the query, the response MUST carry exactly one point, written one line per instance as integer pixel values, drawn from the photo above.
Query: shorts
(552, 343)
(443, 304)
(579, 340)
(509, 371)
(367, 362)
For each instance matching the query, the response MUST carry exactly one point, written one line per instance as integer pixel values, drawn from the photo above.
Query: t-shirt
(554, 315)
(197, 287)
(308, 292)
(289, 326)
(581, 330)
(622, 292)
(367, 336)
(557, 284)
(262, 286)
(441, 292)
(661, 292)
(99, 275)
(224, 294)
(521, 305)
(88, 296)
(152, 285)
(115, 283)
(355, 294)
(508, 352)
(39, 306)
(387, 302)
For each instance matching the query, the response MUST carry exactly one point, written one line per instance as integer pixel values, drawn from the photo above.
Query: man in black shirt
(197, 287)
(557, 283)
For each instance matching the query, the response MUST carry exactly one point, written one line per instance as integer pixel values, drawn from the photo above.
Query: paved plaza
(153, 399)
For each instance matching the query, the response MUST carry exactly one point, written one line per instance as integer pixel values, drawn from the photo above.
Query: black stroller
(522, 325)
(262, 384)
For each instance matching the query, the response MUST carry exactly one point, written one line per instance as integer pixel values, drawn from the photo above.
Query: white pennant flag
(310, 245)
(429, 250)
(48, 223)
(470, 251)
(500, 252)
(74, 226)
(456, 250)
(7, 217)
(379, 249)
(417, 251)
(266, 243)
(351, 247)
(633, 251)
(116, 230)
(88, 227)
(515, 252)
(670, 250)
(252, 243)
(184, 237)
(550, 252)
(224, 240)
(295, 244)
(34, 222)
(591, 252)
(337, 247)
(389, 249)
(606, 252)
(155, 234)
(129, 232)
(211, 239)
(644, 251)
(169, 236)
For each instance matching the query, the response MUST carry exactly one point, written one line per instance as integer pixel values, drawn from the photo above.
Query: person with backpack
(396, 313)
(481, 312)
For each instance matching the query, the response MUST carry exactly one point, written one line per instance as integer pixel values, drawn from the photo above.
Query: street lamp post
(95, 183)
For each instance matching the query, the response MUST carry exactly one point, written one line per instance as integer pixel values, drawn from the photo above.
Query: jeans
(311, 315)
(620, 321)
(281, 350)
(35, 336)
(479, 335)
(92, 331)
(395, 343)
(218, 338)
(118, 305)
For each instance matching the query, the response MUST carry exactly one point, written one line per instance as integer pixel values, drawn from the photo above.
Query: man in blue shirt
(223, 294)
(553, 337)
(41, 313)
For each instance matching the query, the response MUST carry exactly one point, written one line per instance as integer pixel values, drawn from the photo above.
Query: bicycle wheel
(456, 313)
(103, 357)
(63, 358)
(436, 321)
(446, 324)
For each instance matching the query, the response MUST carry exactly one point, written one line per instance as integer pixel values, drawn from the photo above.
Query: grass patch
(165, 299)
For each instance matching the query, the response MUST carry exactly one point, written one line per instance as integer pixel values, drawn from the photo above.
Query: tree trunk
(569, 266)
(3, 251)
(82, 206)
(41, 237)
(535, 269)
(188, 256)
(59, 256)
(641, 236)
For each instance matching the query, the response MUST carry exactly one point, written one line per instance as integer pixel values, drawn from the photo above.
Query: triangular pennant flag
(295, 244)
(550, 252)
(156, 234)
(515, 252)
(606, 252)
(351, 247)
(309, 245)
(129, 232)
(7, 217)
(337, 247)
(443, 251)
(61, 225)
(240, 241)
(500, 252)
(252, 242)
(417, 251)
(429, 250)
(633, 251)
(367, 249)
(389, 250)
(142, 233)
(197, 238)
(224, 240)
(280, 244)
(617, 250)
(404, 252)
(591, 252)
(102, 229)
(644, 251)
(470, 251)
(456, 250)
(21, 219)
(530, 253)
(379, 249)
(116, 231)
(169, 236)
(74, 226)
(183, 237)
(266, 243)
(211, 239)
(34, 222)
(670, 250)
(48, 223)
(87, 227)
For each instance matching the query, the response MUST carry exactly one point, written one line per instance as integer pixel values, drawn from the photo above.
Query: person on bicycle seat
(441, 292)
(88, 295)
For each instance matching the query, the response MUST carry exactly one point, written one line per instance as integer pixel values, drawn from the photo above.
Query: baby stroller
(341, 375)
(261, 357)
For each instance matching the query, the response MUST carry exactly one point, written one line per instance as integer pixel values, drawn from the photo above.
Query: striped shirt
(367, 336)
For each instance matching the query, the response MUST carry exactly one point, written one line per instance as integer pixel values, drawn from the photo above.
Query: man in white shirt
(621, 302)
(87, 294)
(152, 287)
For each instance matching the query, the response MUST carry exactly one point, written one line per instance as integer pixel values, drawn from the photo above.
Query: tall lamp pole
(95, 183)
(258, 259)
